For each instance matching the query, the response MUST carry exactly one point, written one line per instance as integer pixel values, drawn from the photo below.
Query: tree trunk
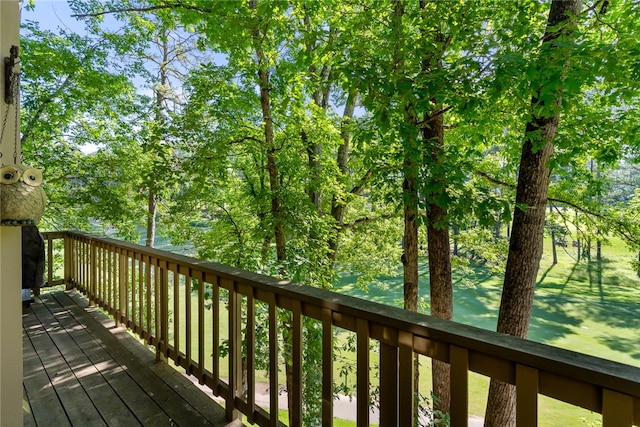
(338, 203)
(579, 254)
(456, 232)
(314, 152)
(410, 170)
(439, 249)
(152, 197)
(553, 241)
(525, 245)
(274, 187)
(151, 220)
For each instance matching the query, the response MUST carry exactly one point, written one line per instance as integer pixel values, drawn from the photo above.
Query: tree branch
(426, 121)
(358, 188)
(177, 5)
(621, 227)
(367, 219)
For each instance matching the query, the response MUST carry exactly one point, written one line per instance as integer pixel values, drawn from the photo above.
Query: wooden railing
(155, 293)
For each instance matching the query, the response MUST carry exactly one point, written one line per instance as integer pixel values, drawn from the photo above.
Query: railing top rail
(54, 234)
(578, 366)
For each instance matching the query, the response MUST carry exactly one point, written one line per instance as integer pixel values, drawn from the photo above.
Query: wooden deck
(79, 370)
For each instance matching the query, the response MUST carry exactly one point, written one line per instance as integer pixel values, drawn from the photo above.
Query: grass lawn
(583, 306)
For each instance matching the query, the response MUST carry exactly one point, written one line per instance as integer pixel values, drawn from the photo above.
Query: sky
(52, 14)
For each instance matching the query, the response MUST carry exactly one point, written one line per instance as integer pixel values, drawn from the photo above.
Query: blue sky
(52, 14)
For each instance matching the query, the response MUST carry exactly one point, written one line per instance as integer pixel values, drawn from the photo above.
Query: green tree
(525, 247)
(72, 99)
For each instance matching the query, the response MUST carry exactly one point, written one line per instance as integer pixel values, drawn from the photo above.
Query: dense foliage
(308, 138)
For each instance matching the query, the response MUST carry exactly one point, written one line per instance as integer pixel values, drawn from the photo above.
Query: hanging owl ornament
(22, 198)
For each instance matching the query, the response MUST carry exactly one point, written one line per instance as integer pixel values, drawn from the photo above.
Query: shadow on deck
(79, 370)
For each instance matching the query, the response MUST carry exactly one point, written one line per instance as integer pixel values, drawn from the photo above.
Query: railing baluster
(87, 268)
(327, 367)
(459, 360)
(50, 261)
(526, 396)
(251, 356)
(296, 356)
(122, 286)
(273, 360)
(388, 384)
(93, 272)
(215, 331)
(104, 276)
(235, 352)
(69, 261)
(201, 353)
(363, 366)
(111, 296)
(155, 301)
(163, 338)
(406, 379)
(176, 315)
(80, 263)
(147, 298)
(87, 271)
(128, 263)
(187, 322)
(134, 292)
(617, 409)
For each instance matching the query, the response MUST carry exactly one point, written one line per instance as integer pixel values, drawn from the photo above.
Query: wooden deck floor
(79, 370)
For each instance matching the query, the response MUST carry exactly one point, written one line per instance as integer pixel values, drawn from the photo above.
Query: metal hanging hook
(10, 79)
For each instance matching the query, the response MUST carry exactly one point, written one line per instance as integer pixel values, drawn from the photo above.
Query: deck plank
(179, 397)
(89, 371)
(123, 401)
(59, 360)
(80, 370)
(42, 405)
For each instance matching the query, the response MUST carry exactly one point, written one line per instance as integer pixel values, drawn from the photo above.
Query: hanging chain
(16, 105)
(4, 125)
